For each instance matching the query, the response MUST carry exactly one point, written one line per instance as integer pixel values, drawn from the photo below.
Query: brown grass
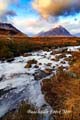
(22, 113)
(18, 44)
(62, 91)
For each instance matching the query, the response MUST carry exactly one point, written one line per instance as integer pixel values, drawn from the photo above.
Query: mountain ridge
(57, 31)
(9, 29)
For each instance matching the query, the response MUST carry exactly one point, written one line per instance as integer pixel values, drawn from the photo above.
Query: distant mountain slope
(77, 35)
(58, 31)
(8, 29)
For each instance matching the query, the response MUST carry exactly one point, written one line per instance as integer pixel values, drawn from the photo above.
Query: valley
(39, 76)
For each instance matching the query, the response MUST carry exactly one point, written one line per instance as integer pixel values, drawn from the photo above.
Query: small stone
(48, 71)
(27, 54)
(40, 63)
(36, 66)
(49, 64)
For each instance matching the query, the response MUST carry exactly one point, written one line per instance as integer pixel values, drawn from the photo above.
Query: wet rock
(10, 60)
(36, 66)
(27, 54)
(47, 71)
(44, 106)
(40, 63)
(28, 65)
(57, 59)
(3, 91)
(2, 60)
(53, 67)
(46, 49)
(62, 50)
(49, 64)
(63, 62)
(53, 59)
(39, 75)
(68, 58)
(2, 77)
(42, 74)
(60, 68)
(54, 52)
(63, 55)
(30, 62)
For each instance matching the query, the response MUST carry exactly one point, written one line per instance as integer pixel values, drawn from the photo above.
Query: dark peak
(4, 25)
(8, 28)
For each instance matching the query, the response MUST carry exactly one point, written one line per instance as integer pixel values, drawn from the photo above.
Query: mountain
(77, 35)
(58, 31)
(8, 29)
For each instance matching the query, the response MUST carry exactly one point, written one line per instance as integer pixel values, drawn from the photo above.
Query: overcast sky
(34, 16)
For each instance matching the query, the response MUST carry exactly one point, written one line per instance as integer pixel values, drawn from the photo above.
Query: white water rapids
(17, 83)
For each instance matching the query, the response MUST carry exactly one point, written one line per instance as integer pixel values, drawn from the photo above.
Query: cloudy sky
(34, 16)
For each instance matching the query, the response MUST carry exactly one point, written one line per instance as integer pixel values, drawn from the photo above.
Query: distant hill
(58, 31)
(9, 29)
(77, 35)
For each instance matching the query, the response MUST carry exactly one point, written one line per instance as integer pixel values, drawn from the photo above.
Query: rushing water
(17, 83)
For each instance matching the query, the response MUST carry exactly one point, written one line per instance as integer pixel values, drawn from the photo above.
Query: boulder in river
(30, 62)
(10, 60)
(42, 74)
(47, 71)
(27, 54)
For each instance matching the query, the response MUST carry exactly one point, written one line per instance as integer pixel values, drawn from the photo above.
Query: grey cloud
(8, 14)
